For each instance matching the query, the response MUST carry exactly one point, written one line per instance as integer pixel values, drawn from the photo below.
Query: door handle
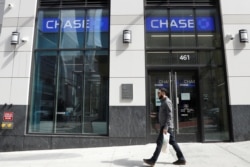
(176, 103)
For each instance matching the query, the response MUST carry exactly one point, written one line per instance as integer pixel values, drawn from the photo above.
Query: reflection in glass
(68, 97)
(44, 93)
(70, 88)
(157, 80)
(70, 85)
(158, 58)
(157, 39)
(46, 39)
(213, 103)
(210, 38)
(182, 37)
(71, 35)
(97, 36)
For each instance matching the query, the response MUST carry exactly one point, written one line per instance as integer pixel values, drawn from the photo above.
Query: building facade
(85, 73)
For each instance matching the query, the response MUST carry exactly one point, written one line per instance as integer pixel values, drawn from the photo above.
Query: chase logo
(205, 24)
(180, 24)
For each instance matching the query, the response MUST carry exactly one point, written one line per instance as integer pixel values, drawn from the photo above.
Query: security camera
(231, 37)
(10, 5)
(24, 39)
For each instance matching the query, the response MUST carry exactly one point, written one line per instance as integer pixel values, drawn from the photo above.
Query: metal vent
(179, 2)
(50, 3)
(70, 3)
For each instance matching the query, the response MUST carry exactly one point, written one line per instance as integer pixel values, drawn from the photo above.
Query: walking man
(166, 123)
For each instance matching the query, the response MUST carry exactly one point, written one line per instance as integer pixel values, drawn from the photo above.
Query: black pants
(171, 142)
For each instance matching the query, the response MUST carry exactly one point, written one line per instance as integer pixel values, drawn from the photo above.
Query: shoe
(180, 162)
(149, 162)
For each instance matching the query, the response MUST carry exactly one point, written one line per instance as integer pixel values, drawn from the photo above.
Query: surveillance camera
(10, 5)
(231, 37)
(24, 39)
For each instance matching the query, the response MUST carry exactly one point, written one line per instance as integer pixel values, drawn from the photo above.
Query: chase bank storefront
(87, 87)
(184, 54)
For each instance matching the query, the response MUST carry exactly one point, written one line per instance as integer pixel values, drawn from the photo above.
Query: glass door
(183, 91)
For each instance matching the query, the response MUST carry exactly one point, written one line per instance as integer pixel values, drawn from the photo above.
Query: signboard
(153, 24)
(71, 24)
(185, 96)
(187, 83)
(7, 125)
(8, 116)
(127, 91)
(180, 24)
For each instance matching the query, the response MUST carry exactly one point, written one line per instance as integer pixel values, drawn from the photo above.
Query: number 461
(184, 57)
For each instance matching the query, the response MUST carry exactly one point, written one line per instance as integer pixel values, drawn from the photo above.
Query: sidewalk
(197, 155)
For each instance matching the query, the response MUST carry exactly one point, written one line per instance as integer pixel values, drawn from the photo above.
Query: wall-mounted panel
(116, 92)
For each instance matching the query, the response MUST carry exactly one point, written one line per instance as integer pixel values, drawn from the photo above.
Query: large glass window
(71, 73)
(213, 92)
(182, 28)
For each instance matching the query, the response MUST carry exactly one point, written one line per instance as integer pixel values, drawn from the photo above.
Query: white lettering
(153, 22)
(189, 81)
(162, 81)
(56, 24)
(87, 23)
(162, 23)
(190, 23)
(67, 24)
(173, 24)
(49, 24)
(183, 23)
(77, 23)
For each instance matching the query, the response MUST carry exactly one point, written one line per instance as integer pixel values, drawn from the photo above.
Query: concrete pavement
(197, 155)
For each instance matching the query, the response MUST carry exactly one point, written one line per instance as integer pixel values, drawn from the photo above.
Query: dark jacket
(165, 113)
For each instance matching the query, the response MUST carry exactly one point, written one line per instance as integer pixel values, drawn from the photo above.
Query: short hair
(164, 90)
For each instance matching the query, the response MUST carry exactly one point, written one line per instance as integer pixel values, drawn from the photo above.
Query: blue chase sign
(180, 24)
(153, 24)
(78, 24)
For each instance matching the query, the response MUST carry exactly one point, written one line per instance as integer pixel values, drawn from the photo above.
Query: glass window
(158, 58)
(44, 93)
(182, 28)
(70, 87)
(157, 34)
(207, 28)
(214, 105)
(47, 28)
(97, 28)
(184, 57)
(73, 23)
(211, 58)
(70, 28)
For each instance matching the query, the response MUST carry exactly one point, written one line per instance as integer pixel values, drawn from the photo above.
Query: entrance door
(183, 91)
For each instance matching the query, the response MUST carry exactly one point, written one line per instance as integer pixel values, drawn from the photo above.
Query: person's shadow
(131, 163)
